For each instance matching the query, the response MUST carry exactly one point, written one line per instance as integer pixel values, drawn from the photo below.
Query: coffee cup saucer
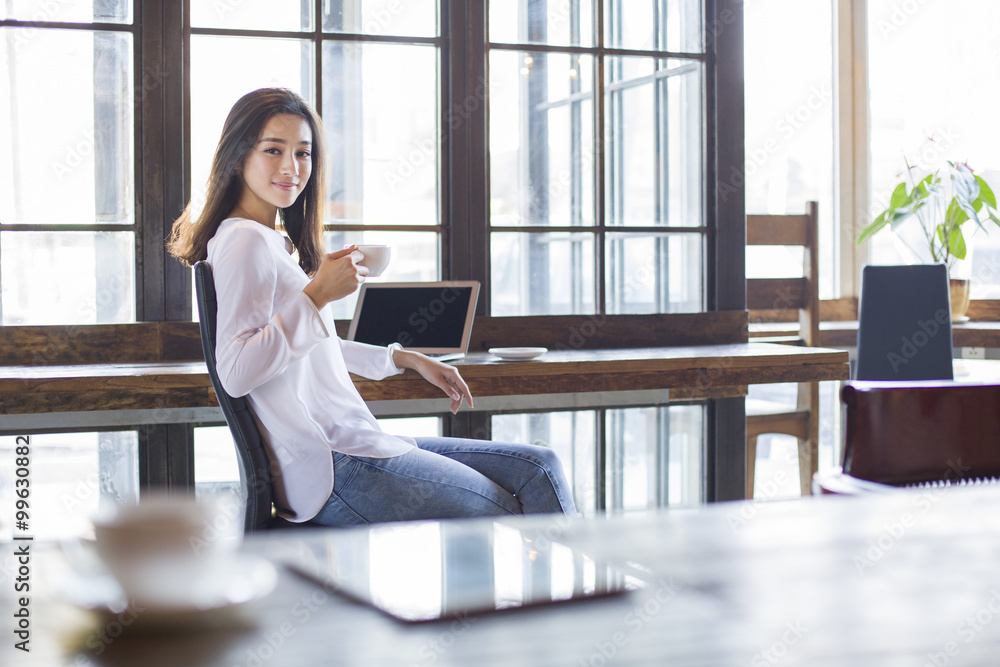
(518, 353)
(211, 594)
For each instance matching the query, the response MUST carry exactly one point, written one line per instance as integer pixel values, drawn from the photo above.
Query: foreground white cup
(153, 548)
(375, 258)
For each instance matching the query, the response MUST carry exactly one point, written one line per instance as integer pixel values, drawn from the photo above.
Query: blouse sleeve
(254, 346)
(371, 361)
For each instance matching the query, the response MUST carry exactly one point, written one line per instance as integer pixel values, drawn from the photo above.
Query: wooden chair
(900, 434)
(787, 300)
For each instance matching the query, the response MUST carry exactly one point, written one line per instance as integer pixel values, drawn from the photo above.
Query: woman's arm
(445, 377)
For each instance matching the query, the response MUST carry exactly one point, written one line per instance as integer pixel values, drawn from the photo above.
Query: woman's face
(278, 167)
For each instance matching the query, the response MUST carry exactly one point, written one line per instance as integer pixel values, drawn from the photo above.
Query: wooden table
(903, 579)
(166, 390)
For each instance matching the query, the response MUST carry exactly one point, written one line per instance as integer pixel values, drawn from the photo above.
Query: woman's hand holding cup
(338, 275)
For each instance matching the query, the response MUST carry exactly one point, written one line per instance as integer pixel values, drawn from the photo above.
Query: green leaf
(985, 193)
(956, 213)
(898, 197)
(872, 228)
(956, 243)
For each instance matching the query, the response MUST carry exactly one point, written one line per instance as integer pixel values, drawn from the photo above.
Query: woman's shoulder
(243, 230)
(242, 235)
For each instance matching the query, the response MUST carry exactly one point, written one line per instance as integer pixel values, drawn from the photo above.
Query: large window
(790, 133)
(592, 163)
(933, 113)
(73, 477)
(597, 167)
(67, 173)
(563, 152)
(622, 460)
(372, 70)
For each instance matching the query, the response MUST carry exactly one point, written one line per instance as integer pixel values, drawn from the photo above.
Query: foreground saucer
(212, 596)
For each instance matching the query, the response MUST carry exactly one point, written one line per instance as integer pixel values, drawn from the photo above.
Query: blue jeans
(447, 478)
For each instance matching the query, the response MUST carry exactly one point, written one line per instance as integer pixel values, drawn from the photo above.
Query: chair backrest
(787, 299)
(904, 324)
(255, 472)
(911, 432)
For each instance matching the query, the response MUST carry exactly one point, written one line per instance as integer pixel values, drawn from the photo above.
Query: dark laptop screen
(414, 316)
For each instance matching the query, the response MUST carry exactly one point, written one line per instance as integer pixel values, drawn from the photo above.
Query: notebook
(434, 318)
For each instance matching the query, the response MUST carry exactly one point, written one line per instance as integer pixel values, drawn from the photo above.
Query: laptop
(434, 317)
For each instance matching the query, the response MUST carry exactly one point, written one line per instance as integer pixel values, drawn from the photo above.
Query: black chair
(255, 472)
(904, 324)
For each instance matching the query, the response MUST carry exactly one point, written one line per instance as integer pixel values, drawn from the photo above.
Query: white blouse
(275, 347)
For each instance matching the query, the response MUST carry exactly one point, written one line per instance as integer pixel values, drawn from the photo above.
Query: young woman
(277, 345)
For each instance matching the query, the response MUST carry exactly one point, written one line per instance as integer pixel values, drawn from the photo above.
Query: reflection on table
(838, 581)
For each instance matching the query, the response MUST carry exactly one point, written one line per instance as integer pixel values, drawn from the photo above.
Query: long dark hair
(303, 220)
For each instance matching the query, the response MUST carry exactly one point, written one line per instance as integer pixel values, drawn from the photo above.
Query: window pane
(937, 112)
(410, 18)
(541, 139)
(252, 14)
(223, 69)
(659, 25)
(654, 273)
(655, 457)
(380, 112)
(67, 278)
(654, 165)
(790, 122)
(542, 274)
(559, 22)
(217, 479)
(73, 475)
(215, 463)
(107, 11)
(415, 257)
(573, 437)
(71, 136)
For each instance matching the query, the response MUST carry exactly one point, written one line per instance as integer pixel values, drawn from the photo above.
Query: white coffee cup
(156, 547)
(375, 258)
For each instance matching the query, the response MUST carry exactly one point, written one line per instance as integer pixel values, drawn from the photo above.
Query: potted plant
(942, 203)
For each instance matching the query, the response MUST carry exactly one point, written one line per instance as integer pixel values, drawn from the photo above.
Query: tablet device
(437, 570)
